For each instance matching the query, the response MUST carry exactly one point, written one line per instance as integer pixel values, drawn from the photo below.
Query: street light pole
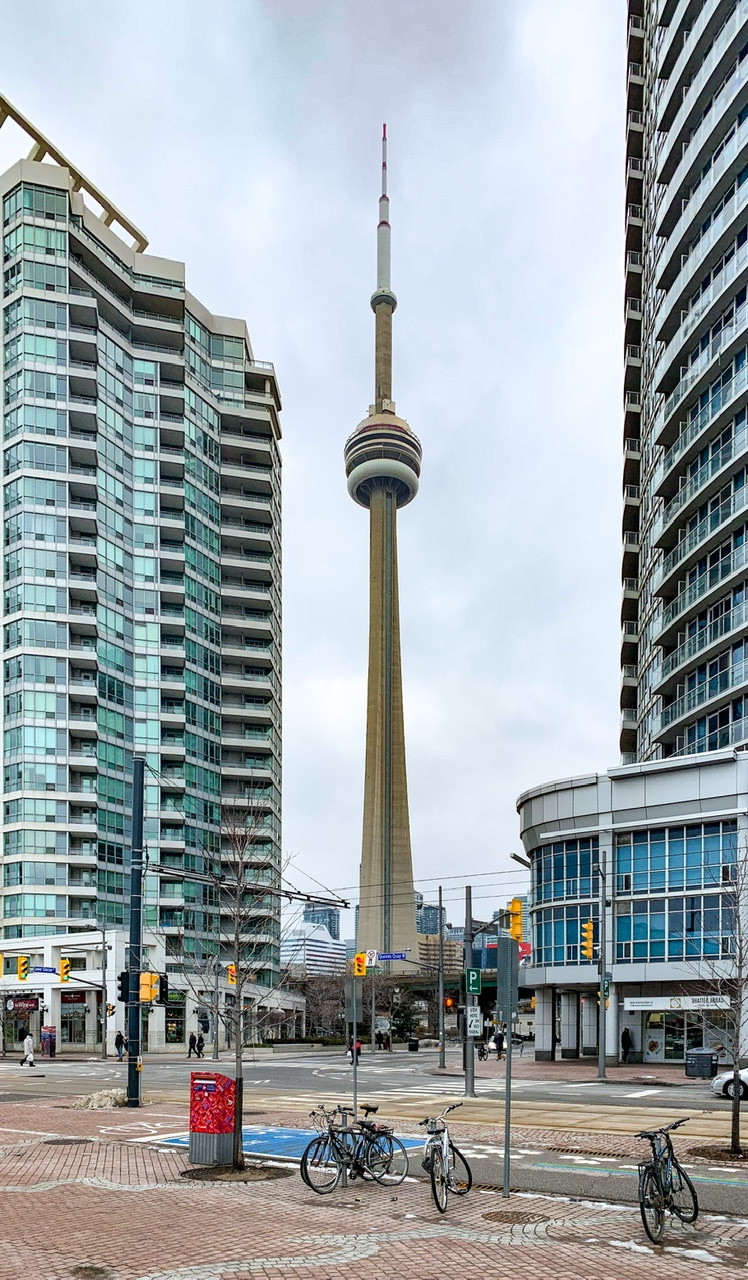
(442, 1033)
(136, 935)
(103, 994)
(469, 999)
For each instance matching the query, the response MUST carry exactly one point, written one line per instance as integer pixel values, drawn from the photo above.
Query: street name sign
(392, 955)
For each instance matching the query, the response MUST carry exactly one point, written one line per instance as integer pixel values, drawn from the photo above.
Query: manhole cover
(516, 1215)
(65, 1142)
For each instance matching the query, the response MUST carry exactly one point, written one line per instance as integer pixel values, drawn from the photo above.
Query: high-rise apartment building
(140, 573)
(327, 916)
(667, 827)
(685, 523)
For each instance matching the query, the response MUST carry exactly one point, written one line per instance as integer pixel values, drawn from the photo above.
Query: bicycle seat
(369, 1108)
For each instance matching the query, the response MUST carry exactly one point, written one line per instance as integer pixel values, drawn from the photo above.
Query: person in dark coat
(192, 1045)
(627, 1044)
(200, 1046)
(498, 1041)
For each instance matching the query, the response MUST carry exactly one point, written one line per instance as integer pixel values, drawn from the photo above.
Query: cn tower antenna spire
(383, 300)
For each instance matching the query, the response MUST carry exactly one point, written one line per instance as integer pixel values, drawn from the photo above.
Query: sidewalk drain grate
(519, 1215)
(65, 1142)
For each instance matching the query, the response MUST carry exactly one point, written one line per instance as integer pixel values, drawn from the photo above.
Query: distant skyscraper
(383, 465)
(328, 916)
(427, 919)
(140, 577)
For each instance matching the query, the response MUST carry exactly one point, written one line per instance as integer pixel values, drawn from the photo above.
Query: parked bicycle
(482, 1050)
(664, 1185)
(447, 1166)
(361, 1148)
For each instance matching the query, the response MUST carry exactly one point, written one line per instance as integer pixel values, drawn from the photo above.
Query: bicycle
(664, 1184)
(482, 1050)
(447, 1166)
(361, 1149)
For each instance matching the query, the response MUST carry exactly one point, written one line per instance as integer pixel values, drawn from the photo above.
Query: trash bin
(702, 1063)
(413, 1046)
(49, 1041)
(212, 1105)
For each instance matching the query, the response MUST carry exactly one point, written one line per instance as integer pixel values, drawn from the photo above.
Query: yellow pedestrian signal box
(359, 965)
(148, 987)
(231, 974)
(64, 969)
(515, 918)
(588, 939)
(23, 966)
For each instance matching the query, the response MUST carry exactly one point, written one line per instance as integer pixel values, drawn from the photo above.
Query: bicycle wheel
(320, 1167)
(460, 1175)
(387, 1160)
(439, 1179)
(650, 1204)
(683, 1199)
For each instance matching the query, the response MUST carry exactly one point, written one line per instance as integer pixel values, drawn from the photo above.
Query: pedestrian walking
(200, 1046)
(192, 1045)
(119, 1044)
(28, 1050)
(379, 1039)
(498, 1043)
(627, 1044)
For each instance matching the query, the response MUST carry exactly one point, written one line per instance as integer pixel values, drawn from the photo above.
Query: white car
(723, 1083)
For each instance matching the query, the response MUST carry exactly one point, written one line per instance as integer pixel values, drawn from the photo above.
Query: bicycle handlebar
(664, 1129)
(445, 1112)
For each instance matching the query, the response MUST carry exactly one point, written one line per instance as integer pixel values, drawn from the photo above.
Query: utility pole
(442, 1033)
(467, 951)
(136, 936)
(602, 973)
(103, 994)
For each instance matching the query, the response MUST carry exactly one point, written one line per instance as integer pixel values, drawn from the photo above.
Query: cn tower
(383, 465)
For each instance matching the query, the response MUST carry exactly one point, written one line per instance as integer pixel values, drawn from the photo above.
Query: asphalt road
(317, 1076)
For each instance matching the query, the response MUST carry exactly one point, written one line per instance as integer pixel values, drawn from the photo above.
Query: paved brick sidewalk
(79, 1202)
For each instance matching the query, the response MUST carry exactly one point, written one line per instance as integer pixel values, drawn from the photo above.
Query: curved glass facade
(685, 526)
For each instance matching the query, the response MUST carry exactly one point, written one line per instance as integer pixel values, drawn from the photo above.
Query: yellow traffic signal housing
(359, 965)
(231, 974)
(515, 918)
(64, 969)
(148, 987)
(588, 939)
(23, 966)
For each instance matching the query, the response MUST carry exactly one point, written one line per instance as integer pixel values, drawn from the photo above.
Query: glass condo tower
(140, 576)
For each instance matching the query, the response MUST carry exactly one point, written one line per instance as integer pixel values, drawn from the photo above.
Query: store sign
(674, 1004)
(22, 1004)
(72, 997)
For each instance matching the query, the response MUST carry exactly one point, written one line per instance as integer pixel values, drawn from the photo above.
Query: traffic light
(148, 987)
(110, 1011)
(449, 1002)
(123, 987)
(588, 937)
(163, 989)
(231, 974)
(359, 965)
(64, 969)
(23, 965)
(515, 918)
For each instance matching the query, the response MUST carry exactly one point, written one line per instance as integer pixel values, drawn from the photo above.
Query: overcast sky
(243, 137)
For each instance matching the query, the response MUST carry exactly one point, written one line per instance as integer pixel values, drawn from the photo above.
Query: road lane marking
(642, 1093)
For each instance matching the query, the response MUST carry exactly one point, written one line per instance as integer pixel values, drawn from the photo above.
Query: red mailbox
(212, 1109)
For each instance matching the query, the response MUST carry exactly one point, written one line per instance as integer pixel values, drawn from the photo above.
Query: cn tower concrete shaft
(387, 917)
(383, 466)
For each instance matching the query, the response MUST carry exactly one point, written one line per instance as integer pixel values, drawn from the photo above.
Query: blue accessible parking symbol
(266, 1140)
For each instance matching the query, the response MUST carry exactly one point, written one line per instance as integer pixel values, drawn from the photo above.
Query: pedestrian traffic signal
(449, 1002)
(163, 989)
(359, 965)
(588, 936)
(231, 974)
(110, 1011)
(23, 966)
(515, 918)
(64, 969)
(123, 987)
(148, 987)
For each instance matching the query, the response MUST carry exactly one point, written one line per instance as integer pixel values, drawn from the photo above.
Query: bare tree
(724, 974)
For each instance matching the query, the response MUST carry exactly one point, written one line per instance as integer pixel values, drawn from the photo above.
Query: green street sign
(606, 989)
(472, 982)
